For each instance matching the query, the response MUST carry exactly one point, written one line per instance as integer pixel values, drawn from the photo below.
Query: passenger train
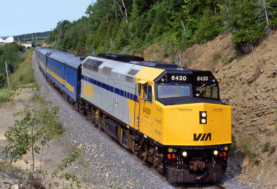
(169, 116)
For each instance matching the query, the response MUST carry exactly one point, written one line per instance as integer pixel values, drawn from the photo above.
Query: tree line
(33, 36)
(116, 25)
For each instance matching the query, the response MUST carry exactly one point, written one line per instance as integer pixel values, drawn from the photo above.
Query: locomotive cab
(182, 112)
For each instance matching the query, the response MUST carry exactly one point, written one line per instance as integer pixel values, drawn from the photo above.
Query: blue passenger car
(65, 71)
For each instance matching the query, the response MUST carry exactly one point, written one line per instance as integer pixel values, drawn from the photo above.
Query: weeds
(228, 60)
(217, 56)
(55, 128)
(257, 162)
(275, 162)
(266, 147)
(246, 148)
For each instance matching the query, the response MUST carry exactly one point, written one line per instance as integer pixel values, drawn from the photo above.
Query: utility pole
(32, 37)
(18, 40)
(7, 74)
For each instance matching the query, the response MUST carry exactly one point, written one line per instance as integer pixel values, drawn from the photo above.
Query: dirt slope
(248, 83)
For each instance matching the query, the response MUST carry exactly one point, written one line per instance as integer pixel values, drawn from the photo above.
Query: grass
(24, 73)
(11, 170)
(5, 95)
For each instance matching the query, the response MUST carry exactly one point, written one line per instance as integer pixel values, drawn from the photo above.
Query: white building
(1, 40)
(26, 44)
(8, 40)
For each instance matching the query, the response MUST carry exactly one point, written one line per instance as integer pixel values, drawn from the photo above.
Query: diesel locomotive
(169, 116)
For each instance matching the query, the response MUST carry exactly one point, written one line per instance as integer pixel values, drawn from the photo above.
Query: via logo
(202, 137)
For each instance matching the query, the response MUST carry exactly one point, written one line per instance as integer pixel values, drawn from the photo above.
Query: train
(169, 116)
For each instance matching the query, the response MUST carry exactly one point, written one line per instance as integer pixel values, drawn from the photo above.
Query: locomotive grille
(91, 63)
(132, 72)
(129, 79)
(96, 65)
(107, 71)
(85, 64)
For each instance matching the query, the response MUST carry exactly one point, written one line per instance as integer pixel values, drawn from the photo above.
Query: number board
(174, 78)
(205, 78)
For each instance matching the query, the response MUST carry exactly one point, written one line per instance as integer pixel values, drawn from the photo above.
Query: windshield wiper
(201, 87)
(179, 86)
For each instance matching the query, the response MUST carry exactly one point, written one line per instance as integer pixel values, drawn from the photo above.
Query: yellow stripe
(41, 64)
(63, 82)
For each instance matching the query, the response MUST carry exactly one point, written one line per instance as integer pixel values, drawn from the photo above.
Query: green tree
(25, 134)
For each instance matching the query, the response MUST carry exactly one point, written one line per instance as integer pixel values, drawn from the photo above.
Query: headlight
(225, 148)
(170, 150)
(203, 117)
(184, 153)
(215, 152)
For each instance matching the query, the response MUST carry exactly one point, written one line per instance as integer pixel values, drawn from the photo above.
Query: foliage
(111, 26)
(9, 53)
(71, 157)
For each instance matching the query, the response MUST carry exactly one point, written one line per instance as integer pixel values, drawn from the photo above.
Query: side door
(146, 109)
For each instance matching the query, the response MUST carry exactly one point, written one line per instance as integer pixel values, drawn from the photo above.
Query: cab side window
(147, 93)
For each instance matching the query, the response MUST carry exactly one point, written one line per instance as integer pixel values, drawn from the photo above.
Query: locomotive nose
(198, 124)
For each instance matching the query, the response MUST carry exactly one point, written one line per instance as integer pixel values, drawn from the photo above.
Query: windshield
(173, 90)
(206, 91)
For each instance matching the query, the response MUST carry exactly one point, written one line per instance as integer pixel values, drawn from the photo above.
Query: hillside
(249, 85)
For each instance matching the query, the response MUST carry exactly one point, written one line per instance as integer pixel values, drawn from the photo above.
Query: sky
(28, 16)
